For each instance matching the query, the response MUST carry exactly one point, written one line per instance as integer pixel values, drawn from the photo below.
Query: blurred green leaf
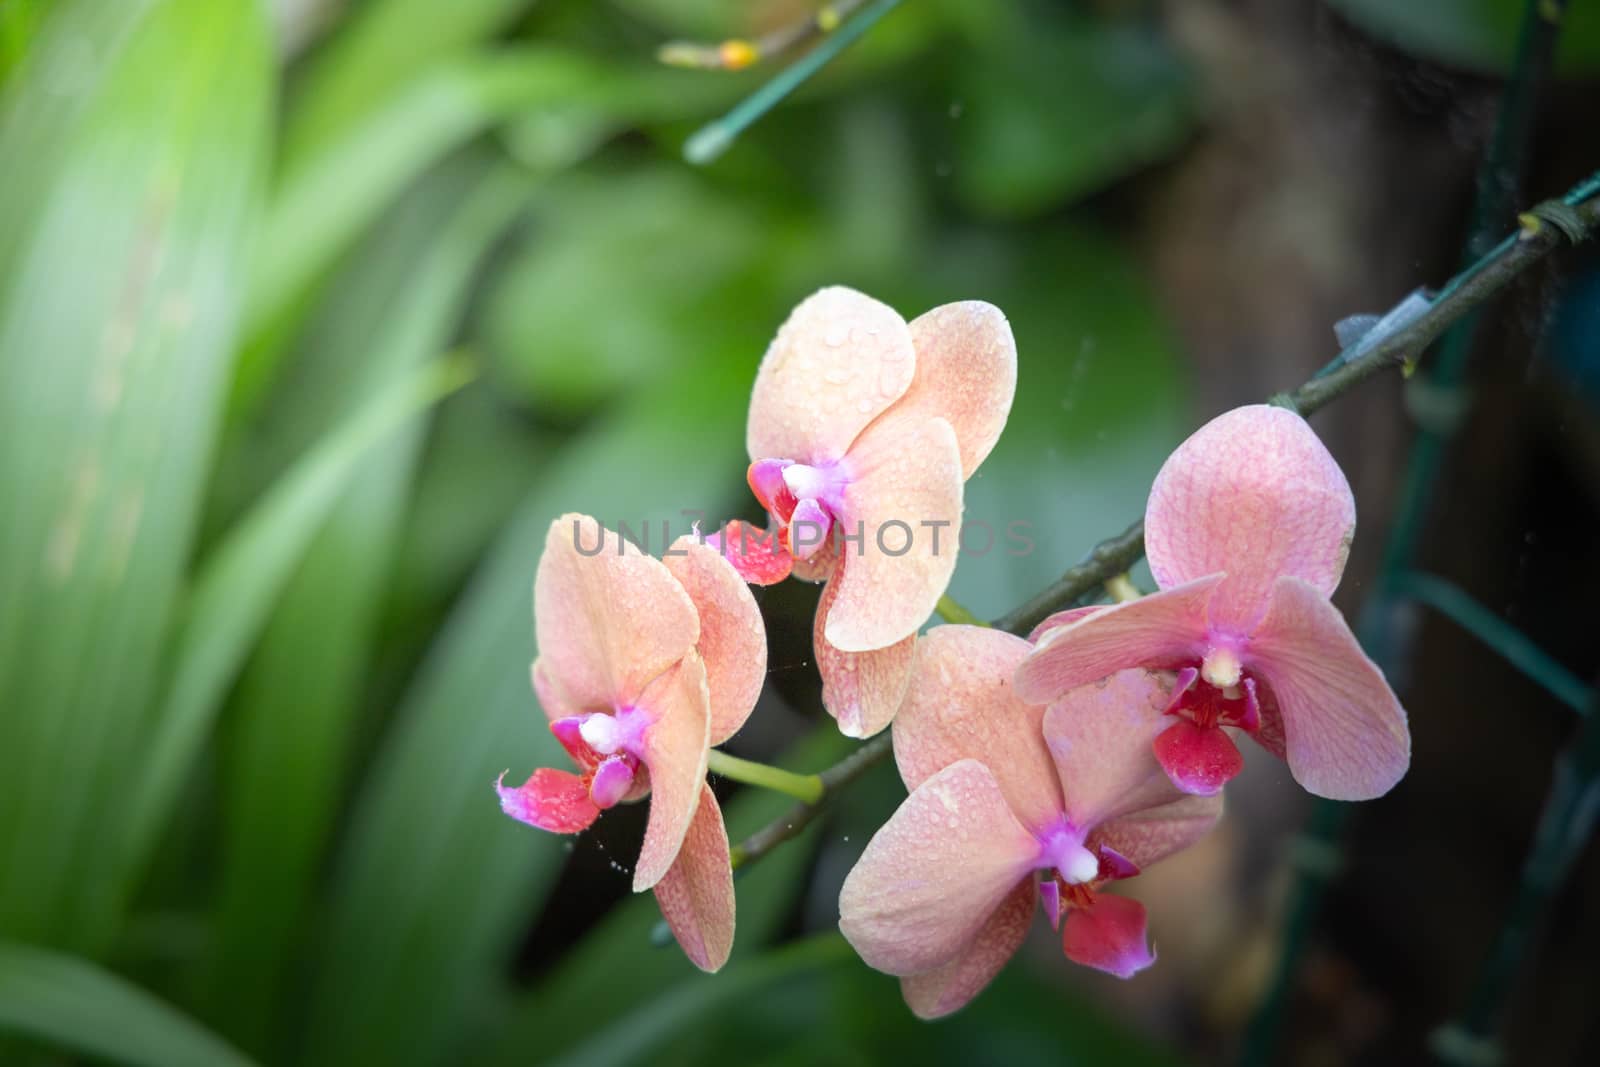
(19, 23)
(1479, 35)
(132, 141)
(72, 1004)
(615, 969)
(641, 1034)
(372, 54)
(621, 276)
(1099, 405)
(234, 591)
(436, 884)
(398, 305)
(1054, 108)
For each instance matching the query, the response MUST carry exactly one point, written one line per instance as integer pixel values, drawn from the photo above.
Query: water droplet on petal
(863, 405)
(836, 336)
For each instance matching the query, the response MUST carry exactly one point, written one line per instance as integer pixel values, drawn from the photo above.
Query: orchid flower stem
(1121, 588)
(1113, 556)
(738, 54)
(712, 139)
(805, 787)
(950, 610)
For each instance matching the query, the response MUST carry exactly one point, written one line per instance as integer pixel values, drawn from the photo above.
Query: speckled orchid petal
(674, 748)
(696, 893)
(1151, 834)
(610, 621)
(757, 555)
(1063, 618)
(906, 474)
(552, 800)
(935, 872)
(837, 363)
(552, 701)
(733, 643)
(1157, 631)
(966, 374)
(1255, 494)
(1198, 759)
(961, 706)
(1108, 935)
(937, 993)
(861, 690)
(1099, 735)
(821, 564)
(1345, 733)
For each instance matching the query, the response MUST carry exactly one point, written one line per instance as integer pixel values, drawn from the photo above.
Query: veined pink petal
(696, 893)
(757, 555)
(1151, 834)
(946, 989)
(674, 750)
(906, 475)
(1198, 759)
(1099, 735)
(607, 622)
(733, 642)
(1109, 936)
(861, 690)
(1344, 730)
(966, 374)
(1063, 618)
(1161, 630)
(552, 800)
(838, 362)
(961, 705)
(1255, 494)
(934, 873)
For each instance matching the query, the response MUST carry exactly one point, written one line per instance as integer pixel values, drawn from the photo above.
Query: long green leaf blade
(132, 140)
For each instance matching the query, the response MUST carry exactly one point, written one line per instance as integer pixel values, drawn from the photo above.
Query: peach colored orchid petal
(1345, 733)
(1157, 631)
(1255, 494)
(552, 701)
(934, 873)
(673, 749)
(610, 621)
(861, 690)
(1143, 837)
(733, 643)
(936, 993)
(696, 894)
(822, 563)
(552, 800)
(1062, 618)
(757, 555)
(906, 474)
(837, 363)
(1109, 936)
(1099, 735)
(966, 374)
(961, 706)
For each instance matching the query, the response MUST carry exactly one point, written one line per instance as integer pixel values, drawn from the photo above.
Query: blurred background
(314, 313)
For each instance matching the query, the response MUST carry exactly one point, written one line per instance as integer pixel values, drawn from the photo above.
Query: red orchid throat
(1071, 872)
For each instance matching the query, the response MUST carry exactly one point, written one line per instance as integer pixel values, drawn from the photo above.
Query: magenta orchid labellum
(1247, 529)
(1011, 805)
(643, 665)
(862, 430)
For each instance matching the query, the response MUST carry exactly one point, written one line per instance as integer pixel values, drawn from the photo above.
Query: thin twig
(1115, 555)
(741, 52)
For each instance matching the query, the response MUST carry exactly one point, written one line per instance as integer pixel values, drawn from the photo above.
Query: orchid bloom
(1247, 529)
(1012, 803)
(862, 431)
(643, 665)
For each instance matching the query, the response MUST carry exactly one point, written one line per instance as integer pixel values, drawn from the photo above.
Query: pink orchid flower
(1010, 804)
(1247, 529)
(643, 665)
(863, 430)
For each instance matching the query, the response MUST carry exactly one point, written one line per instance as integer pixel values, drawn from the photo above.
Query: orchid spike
(1012, 803)
(643, 665)
(1247, 529)
(862, 431)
